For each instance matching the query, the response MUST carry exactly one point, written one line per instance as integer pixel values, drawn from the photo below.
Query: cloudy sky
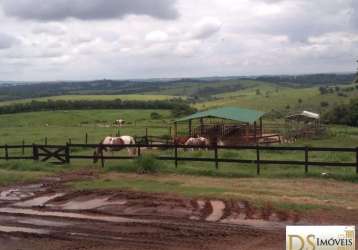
(95, 39)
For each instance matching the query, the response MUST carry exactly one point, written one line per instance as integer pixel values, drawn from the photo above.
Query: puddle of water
(39, 201)
(88, 204)
(101, 236)
(16, 194)
(7, 229)
(262, 224)
(218, 211)
(201, 204)
(71, 215)
(41, 222)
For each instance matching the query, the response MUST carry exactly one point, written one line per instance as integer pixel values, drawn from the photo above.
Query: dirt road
(49, 216)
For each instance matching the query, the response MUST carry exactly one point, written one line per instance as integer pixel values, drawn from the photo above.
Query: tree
(258, 92)
(323, 90)
(300, 101)
(346, 114)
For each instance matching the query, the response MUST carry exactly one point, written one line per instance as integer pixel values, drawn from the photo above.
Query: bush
(147, 164)
(345, 114)
(155, 116)
(324, 104)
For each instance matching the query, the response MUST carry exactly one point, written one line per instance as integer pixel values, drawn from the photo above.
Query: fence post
(102, 160)
(357, 160)
(46, 140)
(306, 159)
(146, 136)
(139, 153)
(23, 147)
(69, 141)
(6, 152)
(86, 140)
(216, 156)
(176, 155)
(67, 153)
(35, 152)
(258, 170)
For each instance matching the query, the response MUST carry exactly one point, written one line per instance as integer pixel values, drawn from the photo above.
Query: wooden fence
(63, 154)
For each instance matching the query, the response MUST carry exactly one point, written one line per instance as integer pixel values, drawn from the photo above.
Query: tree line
(344, 114)
(178, 106)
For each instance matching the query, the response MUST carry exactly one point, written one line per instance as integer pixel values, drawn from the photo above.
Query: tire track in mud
(132, 218)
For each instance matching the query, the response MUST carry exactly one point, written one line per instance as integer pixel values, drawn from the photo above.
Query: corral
(230, 125)
(304, 125)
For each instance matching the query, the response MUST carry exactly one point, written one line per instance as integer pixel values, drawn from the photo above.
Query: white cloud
(157, 36)
(50, 28)
(188, 49)
(206, 28)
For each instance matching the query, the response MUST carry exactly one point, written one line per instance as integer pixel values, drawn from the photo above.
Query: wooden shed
(304, 125)
(234, 125)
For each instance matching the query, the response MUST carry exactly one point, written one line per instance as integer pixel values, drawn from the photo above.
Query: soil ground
(49, 215)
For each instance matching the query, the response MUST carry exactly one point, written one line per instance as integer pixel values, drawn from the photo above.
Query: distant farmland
(138, 97)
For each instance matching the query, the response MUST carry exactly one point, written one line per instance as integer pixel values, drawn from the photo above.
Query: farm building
(303, 125)
(232, 125)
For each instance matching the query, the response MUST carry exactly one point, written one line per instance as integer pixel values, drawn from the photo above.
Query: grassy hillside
(140, 97)
(270, 96)
(206, 89)
(59, 126)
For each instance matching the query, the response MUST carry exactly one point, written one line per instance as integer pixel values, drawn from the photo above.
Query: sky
(42, 40)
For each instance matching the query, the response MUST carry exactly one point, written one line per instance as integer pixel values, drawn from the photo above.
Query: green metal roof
(229, 113)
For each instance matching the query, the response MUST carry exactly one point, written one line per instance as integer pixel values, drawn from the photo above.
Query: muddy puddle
(9, 229)
(19, 193)
(129, 217)
(69, 215)
(39, 201)
(217, 211)
(90, 204)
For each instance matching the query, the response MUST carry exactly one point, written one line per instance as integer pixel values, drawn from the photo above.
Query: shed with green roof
(224, 122)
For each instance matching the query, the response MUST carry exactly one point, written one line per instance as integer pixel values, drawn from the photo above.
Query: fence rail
(64, 154)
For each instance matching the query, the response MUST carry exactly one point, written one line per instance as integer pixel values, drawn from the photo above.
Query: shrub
(147, 164)
(324, 104)
(345, 114)
(155, 116)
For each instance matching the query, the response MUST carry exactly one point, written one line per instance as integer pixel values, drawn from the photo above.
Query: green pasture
(274, 97)
(60, 126)
(132, 97)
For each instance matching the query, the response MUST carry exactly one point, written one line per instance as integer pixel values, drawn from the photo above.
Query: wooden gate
(58, 154)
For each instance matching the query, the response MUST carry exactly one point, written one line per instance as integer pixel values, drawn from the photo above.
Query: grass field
(139, 97)
(273, 97)
(59, 126)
